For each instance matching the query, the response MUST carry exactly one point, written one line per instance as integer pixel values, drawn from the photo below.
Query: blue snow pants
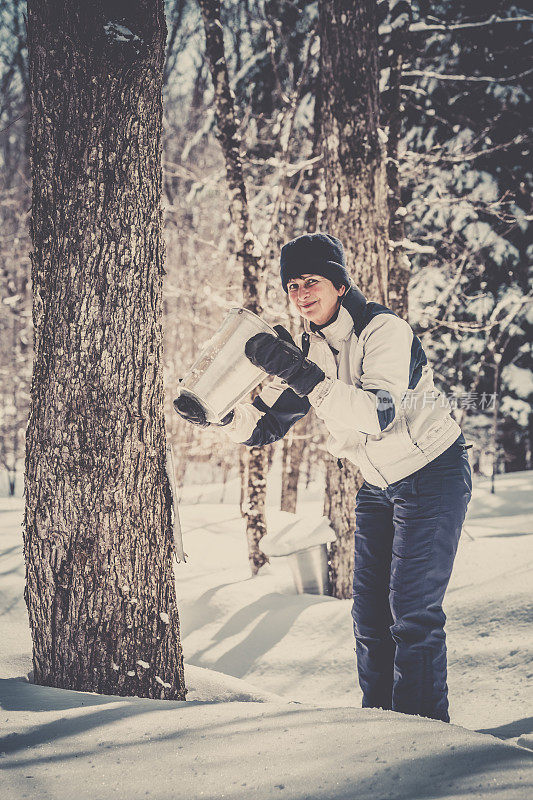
(406, 538)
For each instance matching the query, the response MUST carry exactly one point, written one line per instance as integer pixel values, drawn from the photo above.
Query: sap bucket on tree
(303, 540)
(222, 374)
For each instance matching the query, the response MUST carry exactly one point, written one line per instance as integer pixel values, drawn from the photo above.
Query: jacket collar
(335, 332)
(355, 303)
(350, 318)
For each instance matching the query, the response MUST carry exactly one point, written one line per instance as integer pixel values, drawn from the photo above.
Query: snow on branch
(503, 322)
(416, 73)
(440, 155)
(117, 32)
(441, 27)
(412, 247)
(202, 131)
(247, 66)
(285, 168)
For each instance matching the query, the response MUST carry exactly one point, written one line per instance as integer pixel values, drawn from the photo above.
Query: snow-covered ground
(273, 704)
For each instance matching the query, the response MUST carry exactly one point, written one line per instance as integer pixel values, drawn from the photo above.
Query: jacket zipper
(372, 463)
(411, 436)
(339, 461)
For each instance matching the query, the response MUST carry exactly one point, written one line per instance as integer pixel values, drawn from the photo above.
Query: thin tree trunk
(98, 520)
(356, 199)
(294, 446)
(495, 419)
(293, 454)
(399, 264)
(254, 511)
(247, 253)
(340, 491)
(243, 472)
(315, 174)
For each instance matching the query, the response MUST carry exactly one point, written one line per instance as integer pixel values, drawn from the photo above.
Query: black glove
(278, 356)
(190, 409)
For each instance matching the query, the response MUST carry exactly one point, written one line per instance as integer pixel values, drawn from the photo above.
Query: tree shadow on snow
(195, 614)
(16, 548)
(518, 727)
(67, 727)
(275, 613)
(17, 570)
(17, 694)
(374, 769)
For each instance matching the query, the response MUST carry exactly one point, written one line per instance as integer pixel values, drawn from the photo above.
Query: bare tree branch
(416, 73)
(444, 28)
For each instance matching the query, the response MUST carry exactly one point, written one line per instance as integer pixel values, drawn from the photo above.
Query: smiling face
(314, 297)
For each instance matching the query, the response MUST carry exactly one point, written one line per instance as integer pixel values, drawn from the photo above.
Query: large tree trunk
(354, 147)
(356, 198)
(98, 530)
(247, 253)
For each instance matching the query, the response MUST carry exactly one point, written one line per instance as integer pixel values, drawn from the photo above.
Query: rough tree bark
(356, 199)
(248, 254)
(98, 520)
(339, 501)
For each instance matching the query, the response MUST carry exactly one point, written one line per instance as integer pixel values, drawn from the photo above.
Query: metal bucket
(222, 374)
(310, 570)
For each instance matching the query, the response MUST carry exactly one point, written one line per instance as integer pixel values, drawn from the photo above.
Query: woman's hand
(190, 410)
(280, 357)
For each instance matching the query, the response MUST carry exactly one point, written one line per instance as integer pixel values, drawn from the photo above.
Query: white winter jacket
(378, 400)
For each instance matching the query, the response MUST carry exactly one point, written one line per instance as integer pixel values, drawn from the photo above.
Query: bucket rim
(319, 546)
(242, 310)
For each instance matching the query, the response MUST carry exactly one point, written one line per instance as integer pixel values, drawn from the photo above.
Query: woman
(366, 375)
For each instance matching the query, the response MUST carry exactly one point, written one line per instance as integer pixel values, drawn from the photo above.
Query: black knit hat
(316, 254)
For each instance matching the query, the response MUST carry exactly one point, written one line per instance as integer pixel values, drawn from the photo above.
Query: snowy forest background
(465, 175)
(87, 686)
